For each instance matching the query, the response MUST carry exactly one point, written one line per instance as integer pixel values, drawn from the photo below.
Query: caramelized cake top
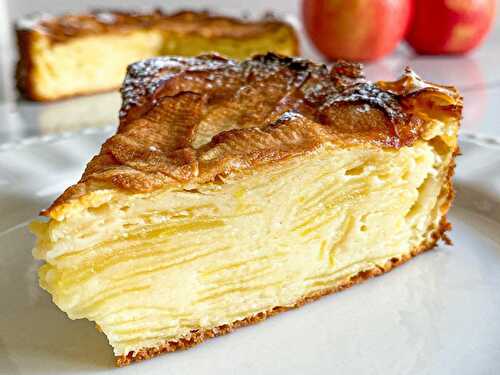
(67, 26)
(187, 121)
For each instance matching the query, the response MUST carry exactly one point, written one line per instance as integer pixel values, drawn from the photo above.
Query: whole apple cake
(74, 54)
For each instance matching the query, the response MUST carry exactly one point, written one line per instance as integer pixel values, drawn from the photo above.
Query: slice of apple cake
(233, 191)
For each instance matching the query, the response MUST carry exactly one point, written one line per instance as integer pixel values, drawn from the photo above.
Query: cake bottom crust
(198, 336)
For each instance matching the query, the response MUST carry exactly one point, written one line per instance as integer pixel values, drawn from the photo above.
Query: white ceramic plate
(438, 314)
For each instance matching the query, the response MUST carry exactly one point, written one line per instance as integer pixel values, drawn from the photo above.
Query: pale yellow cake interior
(149, 268)
(95, 63)
(91, 63)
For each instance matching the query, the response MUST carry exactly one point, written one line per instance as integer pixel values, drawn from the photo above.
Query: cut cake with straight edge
(76, 54)
(233, 191)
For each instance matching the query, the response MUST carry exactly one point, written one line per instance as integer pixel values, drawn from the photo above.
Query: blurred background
(476, 73)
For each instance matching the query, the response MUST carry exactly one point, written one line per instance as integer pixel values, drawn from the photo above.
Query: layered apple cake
(235, 190)
(86, 53)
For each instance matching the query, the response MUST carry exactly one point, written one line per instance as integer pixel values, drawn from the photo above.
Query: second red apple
(450, 26)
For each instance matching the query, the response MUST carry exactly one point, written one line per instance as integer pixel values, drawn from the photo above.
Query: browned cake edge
(197, 337)
(25, 38)
(24, 66)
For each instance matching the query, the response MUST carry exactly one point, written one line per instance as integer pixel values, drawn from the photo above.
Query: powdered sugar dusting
(363, 108)
(33, 21)
(318, 87)
(288, 117)
(105, 17)
(145, 77)
(369, 94)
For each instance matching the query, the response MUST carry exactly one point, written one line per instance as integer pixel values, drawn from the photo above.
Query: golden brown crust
(199, 336)
(196, 120)
(60, 29)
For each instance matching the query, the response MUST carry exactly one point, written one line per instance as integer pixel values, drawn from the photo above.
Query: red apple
(450, 26)
(356, 29)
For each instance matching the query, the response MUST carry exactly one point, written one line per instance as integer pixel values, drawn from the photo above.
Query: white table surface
(477, 75)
